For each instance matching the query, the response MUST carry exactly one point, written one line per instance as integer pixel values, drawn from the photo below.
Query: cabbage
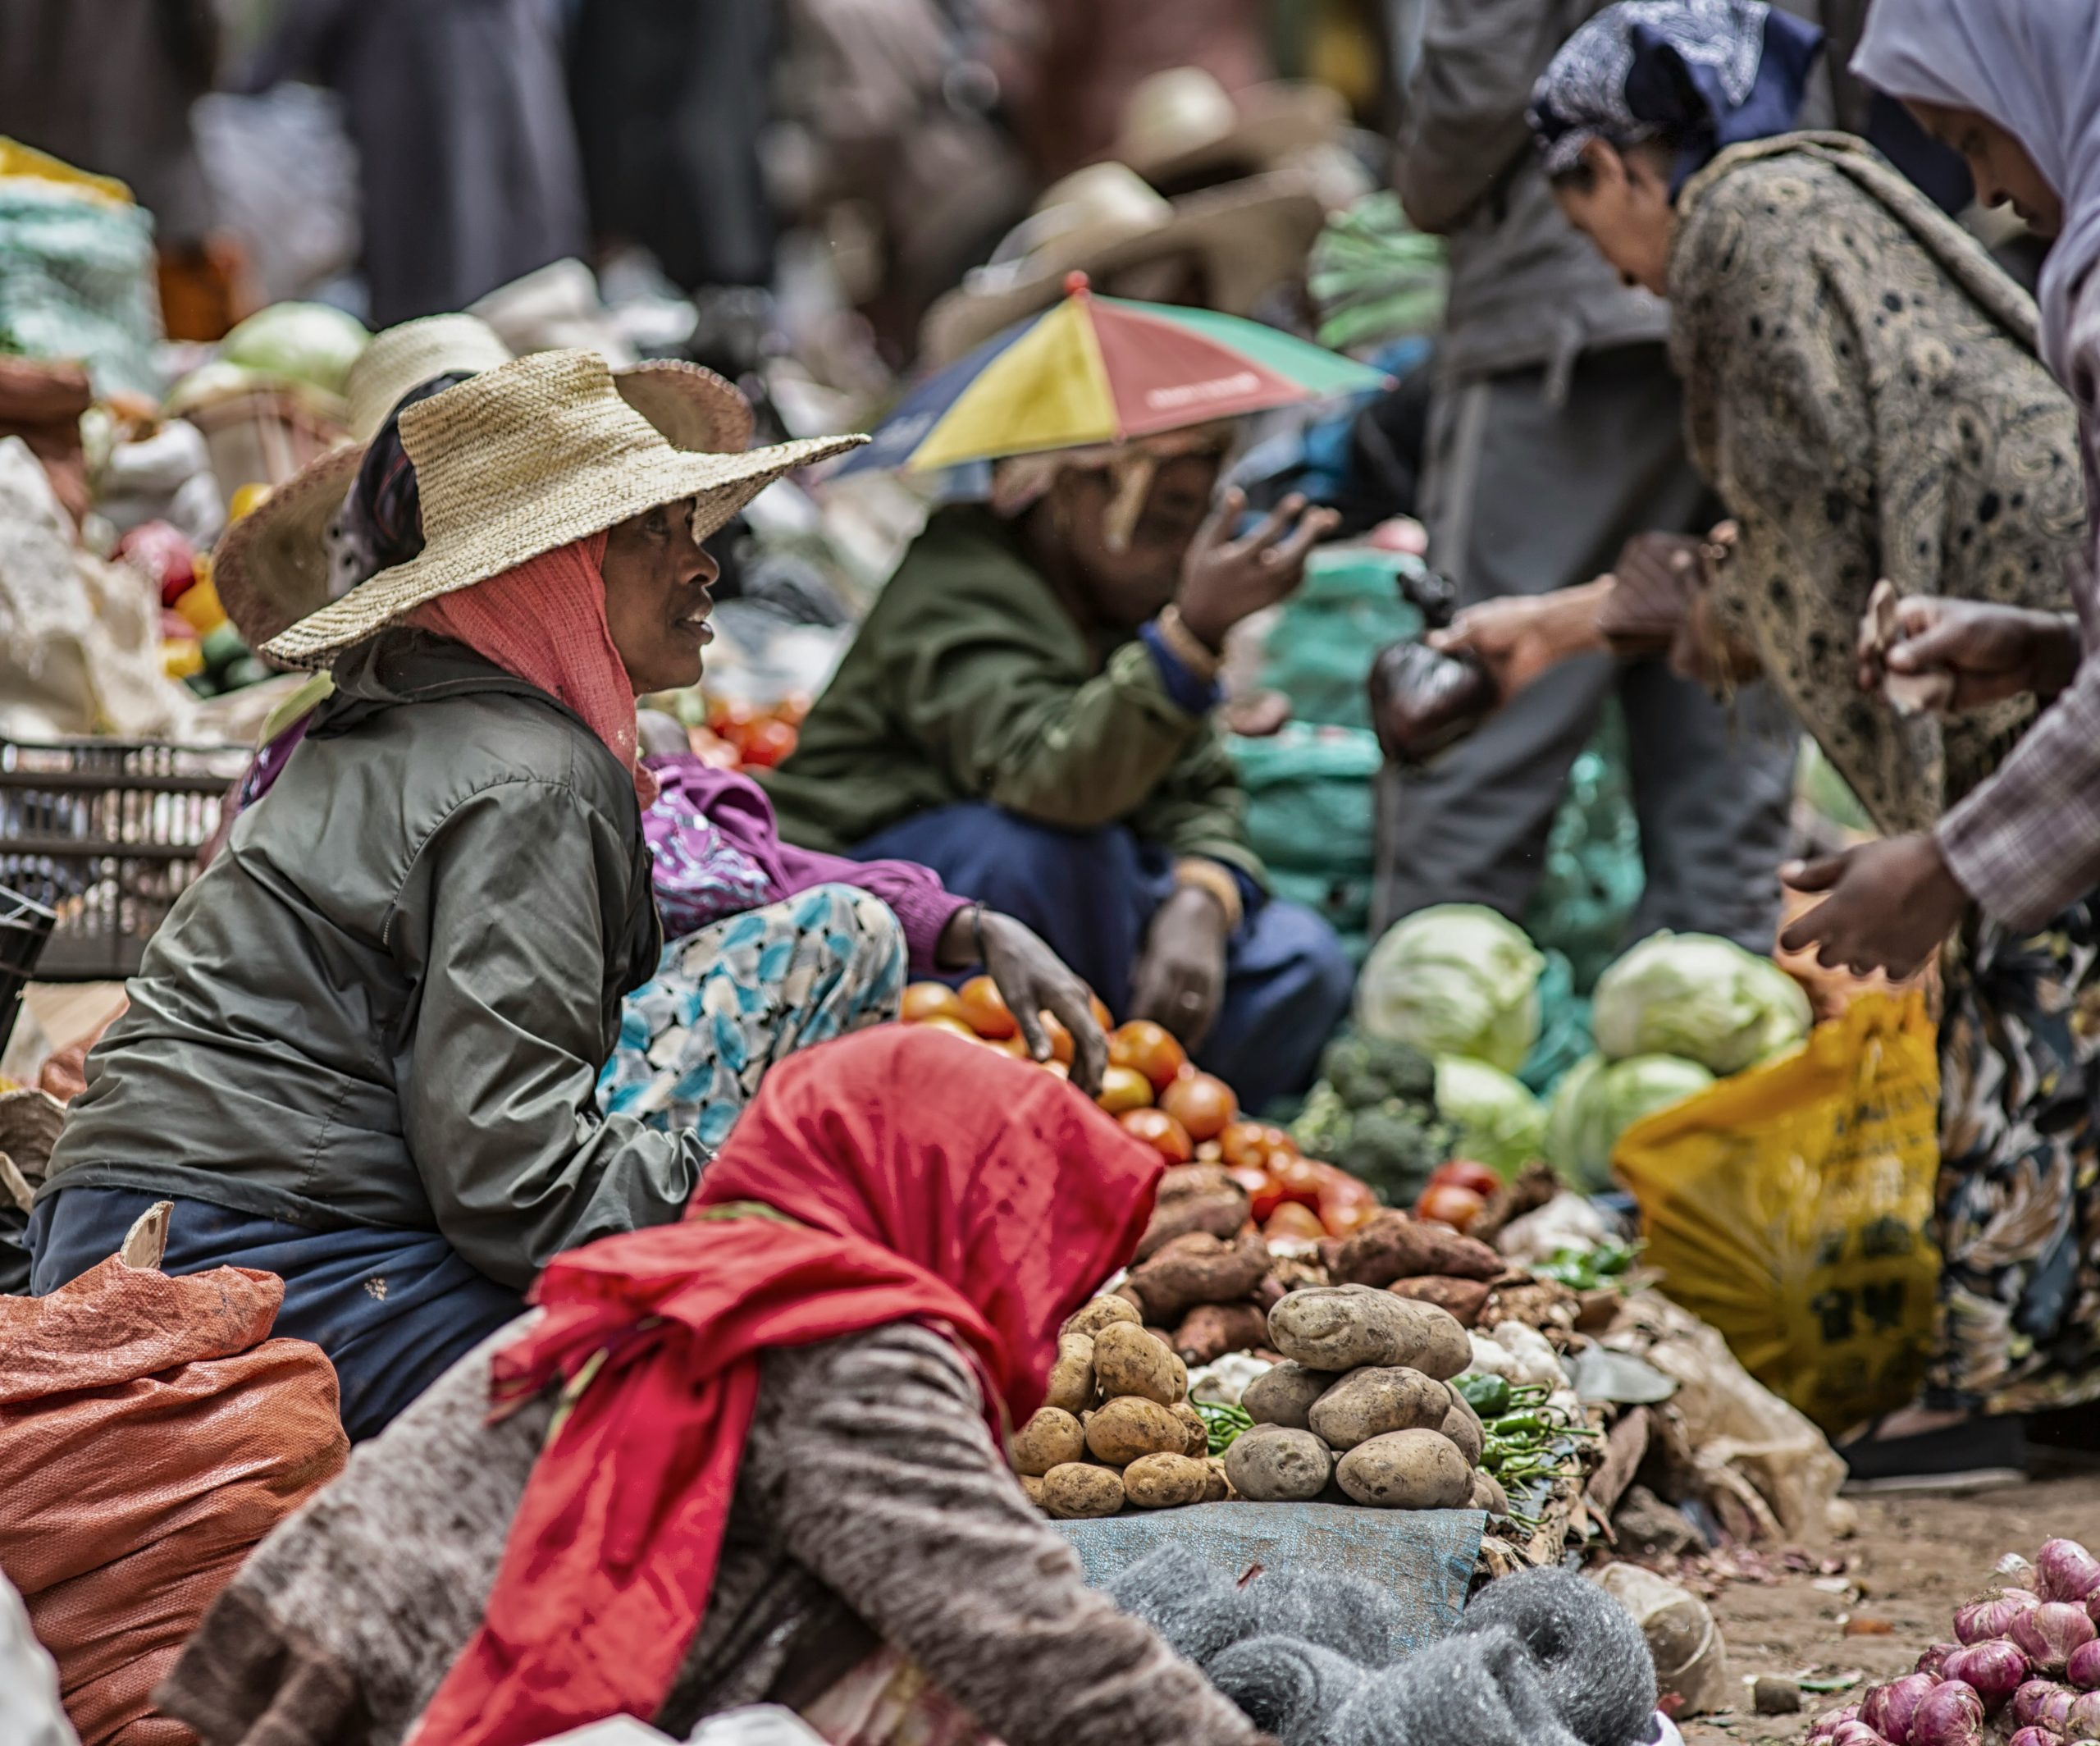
(1701, 997)
(307, 342)
(1454, 980)
(1599, 1099)
(1499, 1122)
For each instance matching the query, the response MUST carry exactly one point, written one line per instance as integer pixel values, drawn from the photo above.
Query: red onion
(2084, 1717)
(2066, 1572)
(1996, 1670)
(2082, 1669)
(2035, 1737)
(1933, 1661)
(1951, 1715)
(1981, 1621)
(2042, 1703)
(1887, 1709)
(1859, 1733)
(1825, 1726)
(2048, 1634)
(2017, 1572)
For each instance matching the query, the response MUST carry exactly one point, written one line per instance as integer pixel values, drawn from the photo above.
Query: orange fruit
(1204, 1105)
(1124, 1088)
(984, 1008)
(1151, 1048)
(1161, 1132)
(925, 1000)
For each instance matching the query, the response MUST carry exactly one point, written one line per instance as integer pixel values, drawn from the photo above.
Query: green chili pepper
(1488, 1395)
(1225, 1424)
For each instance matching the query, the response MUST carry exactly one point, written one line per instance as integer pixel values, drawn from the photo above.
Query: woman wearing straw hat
(364, 1051)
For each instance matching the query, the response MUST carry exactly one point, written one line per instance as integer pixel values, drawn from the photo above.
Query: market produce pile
(2024, 1670)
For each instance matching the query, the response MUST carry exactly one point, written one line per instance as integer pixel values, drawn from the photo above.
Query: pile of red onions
(2028, 1656)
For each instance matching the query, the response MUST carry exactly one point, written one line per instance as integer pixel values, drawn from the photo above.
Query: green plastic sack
(1309, 818)
(1584, 904)
(77, 281)
(1320, 650)
(1563, 1027)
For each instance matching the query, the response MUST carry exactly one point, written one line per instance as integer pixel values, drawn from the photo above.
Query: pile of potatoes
(1115, 1426)
(1361, 1404)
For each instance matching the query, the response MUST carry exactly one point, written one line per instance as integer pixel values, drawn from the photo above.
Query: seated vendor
(1028, 710)
(364, 1051)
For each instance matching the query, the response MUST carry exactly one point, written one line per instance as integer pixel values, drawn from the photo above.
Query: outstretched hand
(1888, 906)
(1033, 980)
(1224, 580)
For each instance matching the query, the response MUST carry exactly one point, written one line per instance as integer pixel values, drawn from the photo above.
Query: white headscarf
(2033, 66)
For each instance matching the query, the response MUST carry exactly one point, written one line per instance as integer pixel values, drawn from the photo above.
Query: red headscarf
(545, 621)
(926, 1179)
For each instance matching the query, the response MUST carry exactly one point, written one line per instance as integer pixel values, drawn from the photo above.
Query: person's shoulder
(1774, 185)
(966, 563)
(522, 750)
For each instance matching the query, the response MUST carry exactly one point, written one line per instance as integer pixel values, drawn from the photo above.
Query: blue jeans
(392, 1309)
(1092, 894)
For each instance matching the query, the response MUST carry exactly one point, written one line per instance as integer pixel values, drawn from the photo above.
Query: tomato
(1161, 1132)
(1245, 1143)
(1150, 1049)
(1463, 1173)
(1204, 1105)
(953, 1027)
(1300, 1181)
(1058, 1069)
(1293, 1221)
(1447, 1203)
(984, 1008)
(1124, 1088)
(726, 715)
(768, 742)
(1252, 1178)
(1345, 1204)
(1061, 1039)
(925, 1000)
(1102, 1015)
(793, 709)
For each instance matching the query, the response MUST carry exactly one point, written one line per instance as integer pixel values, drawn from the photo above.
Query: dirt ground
(1911, 1563)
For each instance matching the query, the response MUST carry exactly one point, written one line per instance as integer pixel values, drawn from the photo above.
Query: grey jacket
(388, 1000)
(1526, 289)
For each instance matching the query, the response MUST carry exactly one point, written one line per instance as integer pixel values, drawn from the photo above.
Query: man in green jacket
(1028, 710)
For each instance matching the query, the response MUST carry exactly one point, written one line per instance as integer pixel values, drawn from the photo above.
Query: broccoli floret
(1393, 1145)
(1366, 1069)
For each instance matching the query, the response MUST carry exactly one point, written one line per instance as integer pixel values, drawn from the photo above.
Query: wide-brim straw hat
(522, 459)
(1250, 236)
(1181, 122)
(271, 569)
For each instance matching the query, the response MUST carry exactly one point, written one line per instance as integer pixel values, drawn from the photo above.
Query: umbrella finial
(1076, 283)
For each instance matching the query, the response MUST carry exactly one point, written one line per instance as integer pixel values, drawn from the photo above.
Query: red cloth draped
(929, 1179)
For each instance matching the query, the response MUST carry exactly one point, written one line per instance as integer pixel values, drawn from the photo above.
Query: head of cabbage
(1699, 997)
(1599, 1099)
(1498, 1122)
(1454, 980)
(313, 343)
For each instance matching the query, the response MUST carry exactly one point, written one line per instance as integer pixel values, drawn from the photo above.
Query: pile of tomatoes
(1457, 1193)
(745, 736)
(1161, 1097)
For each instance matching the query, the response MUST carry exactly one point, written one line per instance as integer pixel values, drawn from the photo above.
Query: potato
(1033, 1487)
(1488, 1495)
(1284, 1395)
(1216, 1488)
(1102, 1313)
(1048, 1440)
(1076, 1490)
(1165, 1482)
(1192, 1423)
(1463, 1297)
(1209, 1330)
(1193, 1198)
(1072, 1377)
(1392, 1246)
(1343, 1327)
(1407, 1470)
(1128, 1360)
(1370, 1402)
(1197, 1270)
(1130, 1426)
(1278, 1465)
(1462, 1425)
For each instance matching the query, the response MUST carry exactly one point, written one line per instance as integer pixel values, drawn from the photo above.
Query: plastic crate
(105, 834)
(24, 926)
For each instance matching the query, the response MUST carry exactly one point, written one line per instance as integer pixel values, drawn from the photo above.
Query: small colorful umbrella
(1095, 369)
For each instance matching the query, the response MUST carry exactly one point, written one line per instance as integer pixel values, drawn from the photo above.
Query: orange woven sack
(151, 1433)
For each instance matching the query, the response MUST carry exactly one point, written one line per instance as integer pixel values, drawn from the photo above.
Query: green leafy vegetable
(1701, 997)
(1393, 1145)
(1498, 1122)
(1599, 1099)
(1454, 980)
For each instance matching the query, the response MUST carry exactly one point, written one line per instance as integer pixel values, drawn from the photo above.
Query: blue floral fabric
(729, 1001)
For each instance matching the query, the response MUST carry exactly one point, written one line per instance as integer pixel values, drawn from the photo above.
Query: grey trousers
(1524, 495)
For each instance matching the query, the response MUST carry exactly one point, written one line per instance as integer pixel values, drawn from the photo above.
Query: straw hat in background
(523, 459)
(1182, 124)
(271, 569)
(1248, 236)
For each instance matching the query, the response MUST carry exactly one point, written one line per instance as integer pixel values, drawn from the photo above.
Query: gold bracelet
(1193, 873)
(1185, 646)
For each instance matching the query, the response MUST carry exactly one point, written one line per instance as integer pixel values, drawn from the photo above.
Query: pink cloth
(545, 621)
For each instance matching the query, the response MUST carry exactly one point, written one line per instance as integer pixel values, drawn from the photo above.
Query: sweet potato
(1342, 1328)
(1462, 1297)
(1130, 1360)
(1072, 1377)
(1209, 1330)
(1407, 1470)
(1130, 1426)
(1395, 1246)
(1370, 1402)
(1192, 1423)
(1048, 1440)
(1165, 1482)
(1488, 1495)
(1091, 1318)
(1462, 1425)
(1194, 1197)
(1275, 1465)
(1284, 1395)
(1076, 1490)
(1197, 1270)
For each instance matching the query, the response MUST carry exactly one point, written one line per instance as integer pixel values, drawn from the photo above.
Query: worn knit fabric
(544, 621)
(1483, 1689)
(1592, 1660)
(1861, 389)
(732, 1001)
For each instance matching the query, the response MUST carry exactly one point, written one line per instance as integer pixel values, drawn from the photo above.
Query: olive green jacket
(388, 1000)
(970, 681)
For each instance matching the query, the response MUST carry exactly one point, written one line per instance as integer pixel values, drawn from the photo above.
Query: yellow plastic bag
(1791, 1206)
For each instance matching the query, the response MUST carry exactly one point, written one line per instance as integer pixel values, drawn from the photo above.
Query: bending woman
(363, 1052)
(784, 1484)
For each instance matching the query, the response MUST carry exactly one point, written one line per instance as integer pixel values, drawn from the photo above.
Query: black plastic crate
(105, 834)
